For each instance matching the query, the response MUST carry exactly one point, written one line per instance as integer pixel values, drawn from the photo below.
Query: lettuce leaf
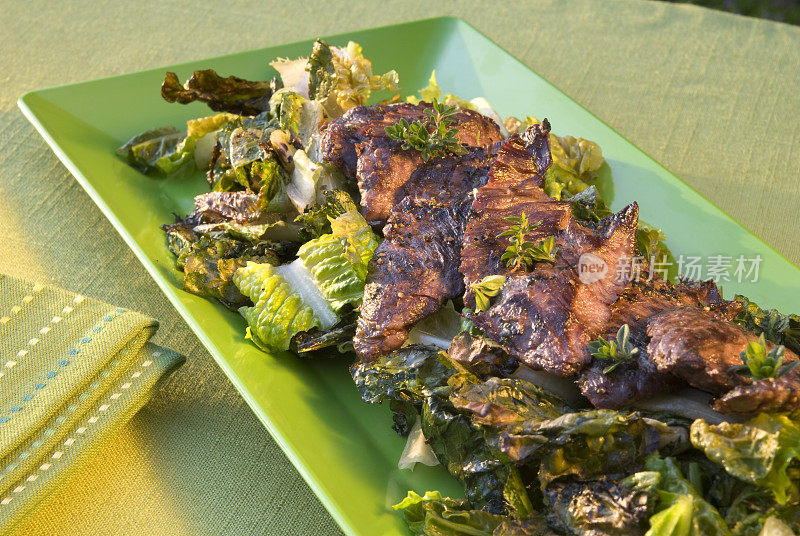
(434, 515)
(776, 327)
(231, 94)
(161, 150)
(682, 510)
(338, 261)
(433, 91)
(400, 378)
(279, 310)
(342, 78)
(316, 220)
(209, 266)
(759, 451)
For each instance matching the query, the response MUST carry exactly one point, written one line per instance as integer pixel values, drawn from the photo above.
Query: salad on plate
(471, 267)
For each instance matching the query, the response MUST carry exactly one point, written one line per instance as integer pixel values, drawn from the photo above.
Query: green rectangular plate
(344, 448)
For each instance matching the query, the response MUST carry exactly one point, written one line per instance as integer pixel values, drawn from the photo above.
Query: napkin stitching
(63, 416)
(71, 440)
(17, 308)
(64, 362)
(43, 331)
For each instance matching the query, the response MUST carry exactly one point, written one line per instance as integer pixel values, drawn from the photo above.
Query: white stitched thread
(70, 441)
(15, 309)
(67, 310)
(78, 299)
(33, 342)
(27, 299)
(38, 287)
(22, 352)
(44, 330)
(147, 363)
(5, 319)
(55, 320)
(10, 364)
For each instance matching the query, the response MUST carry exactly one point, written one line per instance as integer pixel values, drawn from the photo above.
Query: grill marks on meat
(547, 317)
(641, 378)
(357, 144)
(387, 174)
(700, 348)
(414, 271)
(781, 394)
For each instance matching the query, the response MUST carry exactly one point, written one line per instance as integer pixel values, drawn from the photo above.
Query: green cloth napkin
(71, 370)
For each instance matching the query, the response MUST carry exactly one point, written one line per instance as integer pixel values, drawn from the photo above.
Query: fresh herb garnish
(618, 350)
(486, 288)
(520, 253)
(761, 364)
(432, 137)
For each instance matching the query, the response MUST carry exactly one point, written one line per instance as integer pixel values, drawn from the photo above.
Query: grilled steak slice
(637, 303)
(700, 347)
(387, 173)
(781, 394)
(544, 318)
(414, 271)
(364, 123)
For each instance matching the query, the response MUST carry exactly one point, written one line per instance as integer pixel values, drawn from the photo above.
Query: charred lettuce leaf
(587, 205)
(682, 511)
(489, 483)
(231, 94)
(209, 265)
(434, 515)
(776, 327)
(600, 507)
(401, 377)
(341, 77)
(760, 451)
(158, 151)
(316, 220)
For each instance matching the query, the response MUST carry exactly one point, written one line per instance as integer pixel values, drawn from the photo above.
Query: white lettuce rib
(301, 281)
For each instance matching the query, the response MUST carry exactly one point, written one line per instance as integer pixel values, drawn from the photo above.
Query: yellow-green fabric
(710, 95)
(72, 370)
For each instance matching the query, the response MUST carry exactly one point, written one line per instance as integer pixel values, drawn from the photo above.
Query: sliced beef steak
(363, 123)
(641, 378)
(414, 271)
(545, 317)
(700, 347)
(388, 173)
(781, 394)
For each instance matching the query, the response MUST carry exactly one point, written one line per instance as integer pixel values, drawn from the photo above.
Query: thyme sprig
(432, 137)
(617, 350)
(521, 254)
(761, 364)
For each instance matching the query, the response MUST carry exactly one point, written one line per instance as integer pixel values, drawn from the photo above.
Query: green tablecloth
(712, 96)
